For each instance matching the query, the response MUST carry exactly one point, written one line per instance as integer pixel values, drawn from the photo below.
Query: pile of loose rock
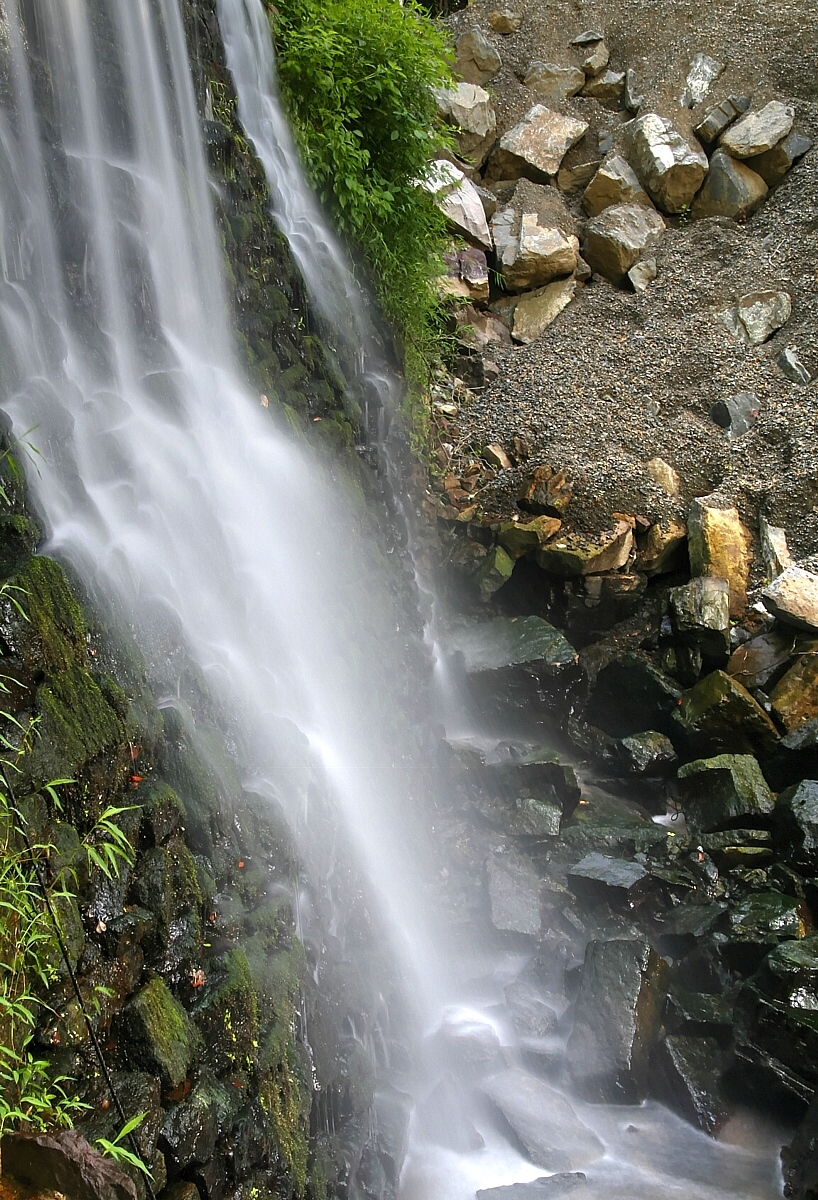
(544, 220)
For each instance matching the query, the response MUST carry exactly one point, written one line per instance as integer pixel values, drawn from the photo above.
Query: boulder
(738, 414)
(796, 823)
(536, 145)
(514, 893)
(793, 598)
(700, 613)
(543, 1120)
(792, 367)
(724, 792)
(533, 257)
(523, 537)
(630, 695)
(158, 1035)
(504, 21)
(617, 1020)
(537, 310)
(546, 492)
(795, 697)
(495, 570)
(476, 60)
(575, 554)
(642, 274)
(647, 754)
(789, 973)
(478, 330)
(552, 83)
(606, 87)
(63, 1162)
(757, 132)
(719, 716)
(719, 547)
(664, 474)
(547, 1187)
(747, 848)
(762, 313)
(799, 1160)
(775, 553)
(758, 661)
(773, 165)
(633, 98)
(769, 917)
(443, 1119)
(731, 189)
(671, 170)
(658, 550)
(190, 1129)
(467, 275)
(688, 1079)
(615, 881)
(530, 1014)
(588, 37)
(699, 1014)
(522, 817)
(702, 73)
(614, 183)
(469, 109)
(596, 59)
(618, 237)
(574, 178)
(716, 119)
(457, 198)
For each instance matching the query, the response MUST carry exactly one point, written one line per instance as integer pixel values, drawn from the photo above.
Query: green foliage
(121, 1154)
(356, 79)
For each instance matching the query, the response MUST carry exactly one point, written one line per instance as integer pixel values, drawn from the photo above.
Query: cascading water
(174, 493)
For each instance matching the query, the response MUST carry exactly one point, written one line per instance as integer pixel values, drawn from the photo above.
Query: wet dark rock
(522, 817)
(530, 1014)
(699, 1014)
(738, 414)
(544, 1121)
(762, 1080)
(64, 1162)
(622, 884)
(687, 925)
(719, 716)
(613, 824)
(758, 923)
(759, 661)
(514, 892)
(794, 698)
(784, 1034)
(157, 1034)
(162, 813)
(630, 695)
(799, 1160)
(647, 754)
(688, 1073)
(190, 1128)
(538, 772)
(724, 792)
(617, 1020)
(739, 847)
(137, 1092)
(796, 823)
(789, 973)
(700, 613)
(544, 1188)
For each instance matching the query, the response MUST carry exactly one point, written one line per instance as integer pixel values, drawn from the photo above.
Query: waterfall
(161, 477)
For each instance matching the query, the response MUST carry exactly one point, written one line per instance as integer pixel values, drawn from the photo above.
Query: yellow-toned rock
(795, 697)
(658, 550)
(719, 546)
(578, 555)
(521, 537)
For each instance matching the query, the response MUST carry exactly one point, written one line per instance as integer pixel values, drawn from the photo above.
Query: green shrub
(356, 79)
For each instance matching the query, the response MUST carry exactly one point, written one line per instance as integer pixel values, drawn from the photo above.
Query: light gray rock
(514, 892)
(614, 183)
(476, 60)
(762, 313)
(597, 60)
(587, 37)
(717, 119)
(773, 165)
(757, 132)
(703, 73)
(547, 1187)
(642, 274)
(536, 256)
(605, 87)
(469, 109)
(554, 84)
(793, 598)
(535, 311)
(738, 414)
(775, 553)
(544, 1121)
(457, 197)
(618, 237)
(792, 367)
(633, 98)
(536, 145)
(731, 189)
(671, 170)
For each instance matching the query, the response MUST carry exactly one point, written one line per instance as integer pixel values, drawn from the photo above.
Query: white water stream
(176, 494)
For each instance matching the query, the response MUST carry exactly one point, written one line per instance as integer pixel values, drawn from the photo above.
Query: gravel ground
(619, 377)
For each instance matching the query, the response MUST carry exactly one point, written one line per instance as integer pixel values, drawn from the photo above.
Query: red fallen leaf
(241, 862)
(179, 1092)
(106, 1103)
(135, 780)
(198, 978)
(237, 1083)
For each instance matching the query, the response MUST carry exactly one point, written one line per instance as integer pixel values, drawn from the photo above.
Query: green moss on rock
(158, 1035)
(52, 638)
(228, 1017)
(76, 725)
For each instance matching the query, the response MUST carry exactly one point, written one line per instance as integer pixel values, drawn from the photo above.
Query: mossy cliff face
(188, 961)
